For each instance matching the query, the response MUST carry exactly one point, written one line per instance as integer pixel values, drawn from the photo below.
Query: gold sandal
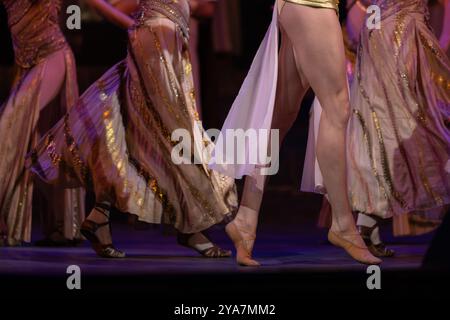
(212, 251)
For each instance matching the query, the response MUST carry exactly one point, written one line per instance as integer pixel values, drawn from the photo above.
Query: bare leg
(54, 75)
(242, 230)
(317, 41)
(53, 78)
(291, 88)
(52, 216)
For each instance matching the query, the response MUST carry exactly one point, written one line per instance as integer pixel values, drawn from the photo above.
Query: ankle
(247, 219)
(343, 226)
(99, 214)
(245, 228)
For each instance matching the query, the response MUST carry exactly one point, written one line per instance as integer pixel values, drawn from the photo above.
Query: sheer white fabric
(253, 107)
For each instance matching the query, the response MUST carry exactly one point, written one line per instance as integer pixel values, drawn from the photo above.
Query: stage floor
(297, 269)
(288, 240)
(297, 263)
(148, 252)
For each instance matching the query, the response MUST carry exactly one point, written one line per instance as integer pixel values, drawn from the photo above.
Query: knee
(338, 108)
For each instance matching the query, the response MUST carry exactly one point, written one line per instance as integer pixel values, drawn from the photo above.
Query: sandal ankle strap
(103, 209)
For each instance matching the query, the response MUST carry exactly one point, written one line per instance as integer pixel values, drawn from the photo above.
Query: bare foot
(350, 240)
(243, 243)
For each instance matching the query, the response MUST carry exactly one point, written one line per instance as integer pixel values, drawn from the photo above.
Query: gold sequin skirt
(117, 138)
(19, 129)
(399, 137)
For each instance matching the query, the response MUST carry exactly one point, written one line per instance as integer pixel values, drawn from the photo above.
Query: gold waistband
(329, 4)
(166, 8)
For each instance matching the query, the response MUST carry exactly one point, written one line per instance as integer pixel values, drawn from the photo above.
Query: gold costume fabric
(398, 143)
(36, 36)
(117, 137)
(330, 4)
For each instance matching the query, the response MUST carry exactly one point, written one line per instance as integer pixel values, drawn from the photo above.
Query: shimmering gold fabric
(330, 4)
(35, 29)
(117, 138)
(399, 135)
(176, 11)
(36, 36)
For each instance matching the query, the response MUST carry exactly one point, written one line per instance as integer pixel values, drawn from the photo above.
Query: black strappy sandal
(211, 252)
(378, 250)
(89, 228)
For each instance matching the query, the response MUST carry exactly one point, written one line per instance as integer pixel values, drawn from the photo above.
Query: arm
(111, 13)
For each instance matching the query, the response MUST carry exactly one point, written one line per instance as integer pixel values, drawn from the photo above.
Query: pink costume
(36, 36)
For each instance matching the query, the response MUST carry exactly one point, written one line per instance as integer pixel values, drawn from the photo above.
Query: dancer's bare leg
(53, 78)
(54, 75)
(291, 88)
(242, 230)
(317, 41)
(304, 60)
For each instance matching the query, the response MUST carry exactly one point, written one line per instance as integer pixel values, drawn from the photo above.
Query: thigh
(291, 86)
(316, 37)
(53, 76)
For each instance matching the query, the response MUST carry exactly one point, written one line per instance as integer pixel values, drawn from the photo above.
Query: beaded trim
(164, 7)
